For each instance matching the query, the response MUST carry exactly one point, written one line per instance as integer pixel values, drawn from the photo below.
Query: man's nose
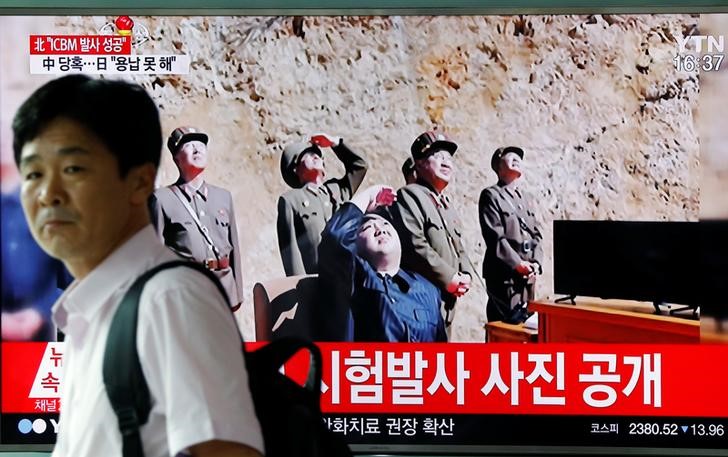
(52, 191)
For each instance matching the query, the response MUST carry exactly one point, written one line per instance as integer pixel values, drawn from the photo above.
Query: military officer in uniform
(513, 240)
(196, 219)
(304, 210)
(429, 227)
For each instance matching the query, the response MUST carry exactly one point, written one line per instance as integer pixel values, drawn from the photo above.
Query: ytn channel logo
(712, 43)
(38, 426)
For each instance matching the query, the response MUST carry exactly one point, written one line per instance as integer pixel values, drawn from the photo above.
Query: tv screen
(633, 260)
(714, 262)
(537, 143)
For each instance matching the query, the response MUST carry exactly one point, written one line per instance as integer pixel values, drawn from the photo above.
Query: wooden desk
(712, 332)
(500, 332)
(610, 321)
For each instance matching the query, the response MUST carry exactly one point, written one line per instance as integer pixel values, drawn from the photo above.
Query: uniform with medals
(512, 236)
(199, 223)
(304, 210)
(430, 229)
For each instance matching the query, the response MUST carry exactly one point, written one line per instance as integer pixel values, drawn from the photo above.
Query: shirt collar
(427, 185)
(90, 295)
(316, 190)
(402, 279)
(440, 199)
(511, 188)
(189, 191)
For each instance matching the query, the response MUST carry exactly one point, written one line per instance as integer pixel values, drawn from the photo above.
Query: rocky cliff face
(605, 120)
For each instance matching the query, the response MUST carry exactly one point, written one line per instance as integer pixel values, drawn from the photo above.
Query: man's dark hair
(121, 114)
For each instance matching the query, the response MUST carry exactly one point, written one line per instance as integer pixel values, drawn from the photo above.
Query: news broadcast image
(566, 215)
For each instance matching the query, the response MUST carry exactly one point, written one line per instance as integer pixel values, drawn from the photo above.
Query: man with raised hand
(363, 283)
(304, 210)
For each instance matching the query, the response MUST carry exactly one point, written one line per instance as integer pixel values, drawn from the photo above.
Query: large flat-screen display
(647, 261)
(486, 128)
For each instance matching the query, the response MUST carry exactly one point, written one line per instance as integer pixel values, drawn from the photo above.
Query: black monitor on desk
(651, 261)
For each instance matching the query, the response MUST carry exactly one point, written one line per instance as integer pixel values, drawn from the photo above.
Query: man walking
(88, 152)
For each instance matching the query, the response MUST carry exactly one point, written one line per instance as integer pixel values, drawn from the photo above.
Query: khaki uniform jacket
(506, 222)
(303, 213)
(431, 235)
(178, 230)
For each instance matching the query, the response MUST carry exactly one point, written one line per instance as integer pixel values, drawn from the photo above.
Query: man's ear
(141, 181)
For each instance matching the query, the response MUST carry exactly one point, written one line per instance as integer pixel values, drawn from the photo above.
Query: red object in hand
(322, 140)
(524, 269)
(124, 23)
(385, 197)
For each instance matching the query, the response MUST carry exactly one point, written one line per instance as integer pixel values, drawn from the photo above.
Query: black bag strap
(124, 379)
(126, 386)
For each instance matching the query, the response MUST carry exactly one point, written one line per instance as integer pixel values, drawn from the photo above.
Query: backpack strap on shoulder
(126, 386)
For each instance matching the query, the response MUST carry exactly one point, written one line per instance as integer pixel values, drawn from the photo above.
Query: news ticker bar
(525, 430)
(572, 380)
(469, 430)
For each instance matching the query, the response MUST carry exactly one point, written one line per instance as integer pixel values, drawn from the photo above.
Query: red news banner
(455, 378)
(80, 45)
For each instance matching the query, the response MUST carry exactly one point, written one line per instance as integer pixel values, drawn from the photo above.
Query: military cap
(430, 142)
(500, 152)
(289, 159)
(182, 135)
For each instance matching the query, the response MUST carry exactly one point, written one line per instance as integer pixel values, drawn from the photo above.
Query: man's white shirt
(189, 348)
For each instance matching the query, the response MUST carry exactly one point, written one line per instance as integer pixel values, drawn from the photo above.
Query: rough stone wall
(605, 120)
